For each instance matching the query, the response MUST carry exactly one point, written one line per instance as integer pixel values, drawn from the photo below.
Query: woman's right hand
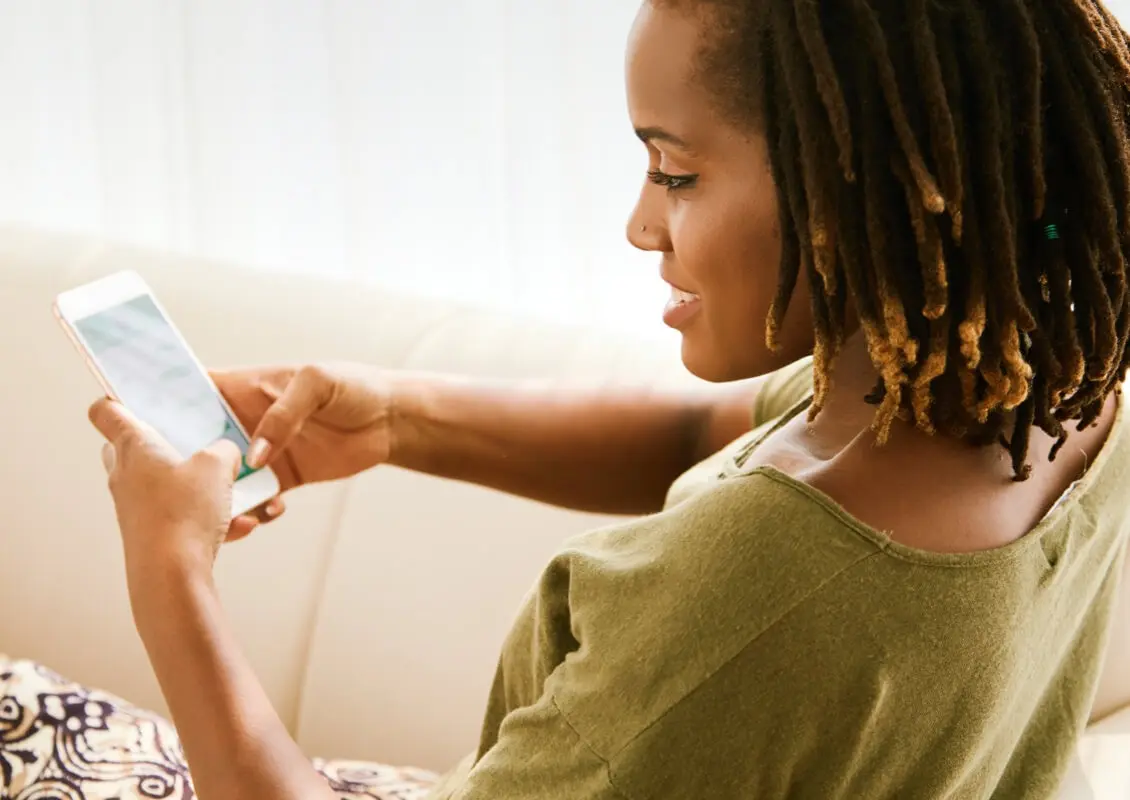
(313, 423)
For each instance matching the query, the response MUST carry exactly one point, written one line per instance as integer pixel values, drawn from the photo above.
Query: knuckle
(313, 375)
(282, 417)
(213, 458)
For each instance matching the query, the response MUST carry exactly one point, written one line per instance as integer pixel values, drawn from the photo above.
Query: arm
(236, 744)
(612, 450)
(174, 516)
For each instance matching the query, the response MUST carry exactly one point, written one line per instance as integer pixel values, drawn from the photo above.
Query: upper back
(934, 493)
(947, 507)
(1002, 639)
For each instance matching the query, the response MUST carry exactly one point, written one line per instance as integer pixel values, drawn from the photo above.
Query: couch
(374, 610)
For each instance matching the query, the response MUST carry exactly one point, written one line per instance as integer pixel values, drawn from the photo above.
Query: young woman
(900, 583)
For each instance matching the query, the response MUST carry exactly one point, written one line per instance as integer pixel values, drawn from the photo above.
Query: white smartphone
(143, 362)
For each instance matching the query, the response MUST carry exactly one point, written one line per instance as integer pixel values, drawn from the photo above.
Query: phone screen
(156, 378)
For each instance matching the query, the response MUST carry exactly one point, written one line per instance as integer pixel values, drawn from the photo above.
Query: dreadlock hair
(959, 172)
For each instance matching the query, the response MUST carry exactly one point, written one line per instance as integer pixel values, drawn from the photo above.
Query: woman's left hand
(173, 513)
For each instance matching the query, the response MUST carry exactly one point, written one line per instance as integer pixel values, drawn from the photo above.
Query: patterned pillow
(63, 741)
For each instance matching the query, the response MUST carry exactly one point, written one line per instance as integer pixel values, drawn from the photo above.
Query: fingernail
(257, 453)
(274, 508)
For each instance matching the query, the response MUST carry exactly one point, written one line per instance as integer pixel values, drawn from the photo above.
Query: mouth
(681, 307)
(680, 296)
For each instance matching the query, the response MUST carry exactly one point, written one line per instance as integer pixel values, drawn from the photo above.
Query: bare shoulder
(932, 494)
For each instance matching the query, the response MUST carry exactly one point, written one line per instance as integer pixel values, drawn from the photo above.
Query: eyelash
(672, 182)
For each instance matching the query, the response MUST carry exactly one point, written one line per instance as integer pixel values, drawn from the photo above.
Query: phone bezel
(77, 304)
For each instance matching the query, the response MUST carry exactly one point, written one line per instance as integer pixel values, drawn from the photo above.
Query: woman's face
(708, 207)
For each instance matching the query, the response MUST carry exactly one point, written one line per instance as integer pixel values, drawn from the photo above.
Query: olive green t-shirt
(753, 640)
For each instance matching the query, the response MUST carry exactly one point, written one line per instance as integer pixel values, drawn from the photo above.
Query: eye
(672, 182)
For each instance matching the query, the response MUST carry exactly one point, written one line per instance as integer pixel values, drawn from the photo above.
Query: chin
(709, 362)
(712, 361)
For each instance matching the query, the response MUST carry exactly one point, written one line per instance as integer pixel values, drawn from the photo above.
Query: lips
(677, 290)
(681, 308)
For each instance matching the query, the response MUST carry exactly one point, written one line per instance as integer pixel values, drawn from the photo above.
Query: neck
(853, 376)
(847, 416)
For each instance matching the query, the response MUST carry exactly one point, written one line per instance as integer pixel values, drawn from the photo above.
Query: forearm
(236, 745)
(612, 450)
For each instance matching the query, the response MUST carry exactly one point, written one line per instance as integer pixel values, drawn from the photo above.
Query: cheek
(732, 253)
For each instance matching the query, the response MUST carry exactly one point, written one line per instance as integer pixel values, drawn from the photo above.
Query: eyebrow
(660, 135)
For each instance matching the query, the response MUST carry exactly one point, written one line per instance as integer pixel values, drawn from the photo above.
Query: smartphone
(144, 363)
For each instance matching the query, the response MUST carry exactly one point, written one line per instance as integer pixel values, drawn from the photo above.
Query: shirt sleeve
(784, 389)
(538, 756)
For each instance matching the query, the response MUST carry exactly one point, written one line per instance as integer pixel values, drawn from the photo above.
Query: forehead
(662, 58)
(670, 46)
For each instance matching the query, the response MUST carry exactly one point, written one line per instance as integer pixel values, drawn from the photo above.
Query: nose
(645, 232)
(638, 237)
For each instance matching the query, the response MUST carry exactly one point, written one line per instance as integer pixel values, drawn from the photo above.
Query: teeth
(679, 296)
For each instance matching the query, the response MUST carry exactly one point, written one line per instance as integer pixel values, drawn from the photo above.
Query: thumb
(309, 390)
(114, 422)
(225, 455)
(123, 430)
